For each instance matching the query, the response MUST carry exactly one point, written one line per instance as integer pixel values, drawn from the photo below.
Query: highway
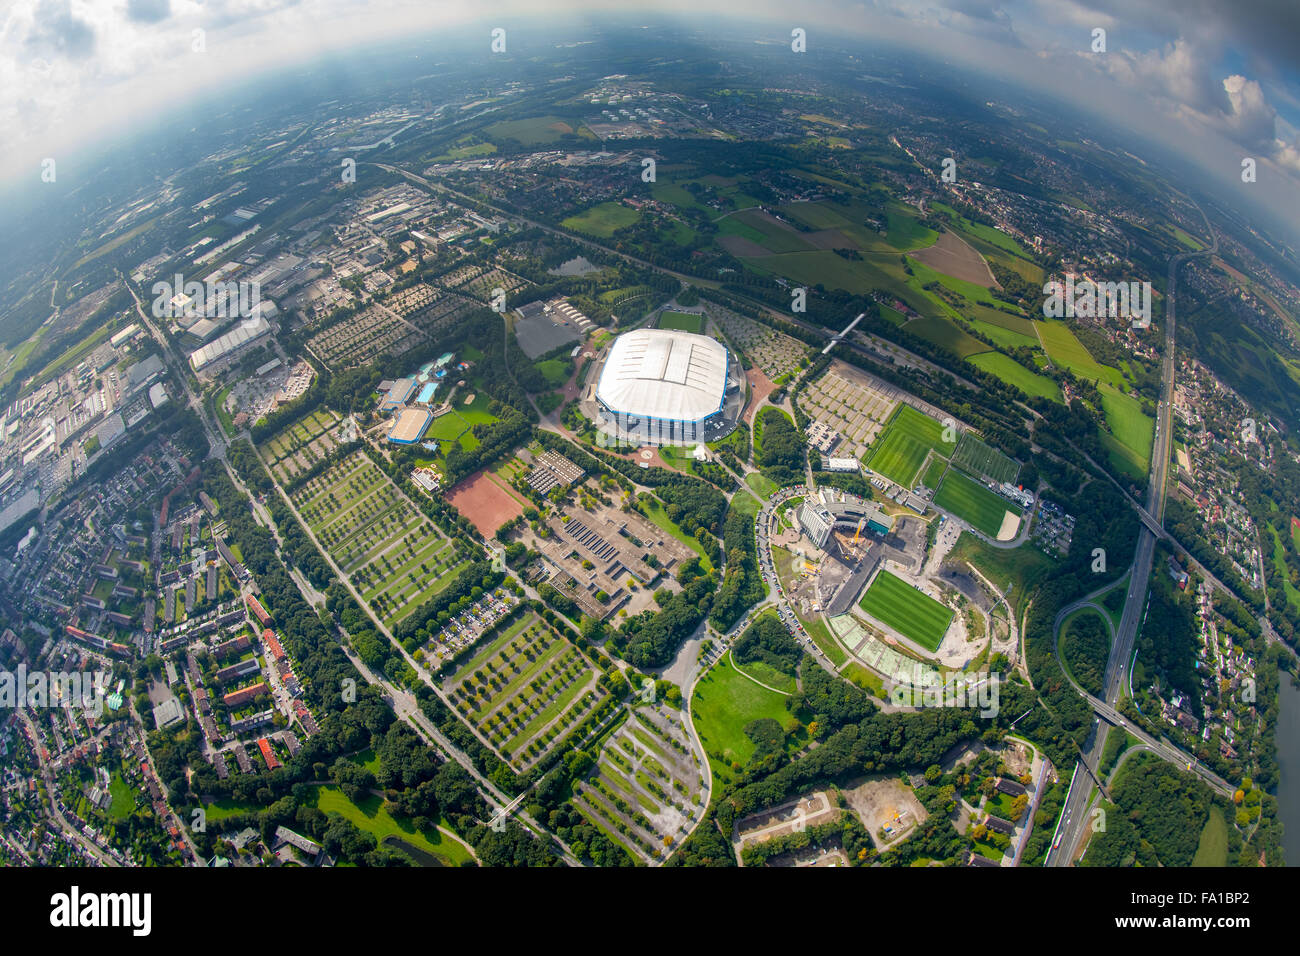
(1121, 652)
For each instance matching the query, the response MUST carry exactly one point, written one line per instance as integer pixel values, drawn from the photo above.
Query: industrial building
(237, 339)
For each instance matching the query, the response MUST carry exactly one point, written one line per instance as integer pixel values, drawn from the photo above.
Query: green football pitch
(903, 445)
(972, 502)
(682, 321)
(915, 615)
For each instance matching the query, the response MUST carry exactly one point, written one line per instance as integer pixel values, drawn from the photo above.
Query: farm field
(645, 789)
(900, 450)
(915, 615)
(1013, 373)
(1065, 349)
(1131, 429)
(526, 691)
(395, 556)
(974, 503)
(534, 130)
(946, 335)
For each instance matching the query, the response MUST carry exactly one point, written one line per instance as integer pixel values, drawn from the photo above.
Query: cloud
(148, 11)
(56, 32)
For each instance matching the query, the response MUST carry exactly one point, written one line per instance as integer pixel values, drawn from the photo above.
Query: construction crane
(858, 532)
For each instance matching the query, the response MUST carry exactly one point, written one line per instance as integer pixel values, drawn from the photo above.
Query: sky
(1218, 81)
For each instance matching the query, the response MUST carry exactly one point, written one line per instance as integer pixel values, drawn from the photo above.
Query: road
(1121, 651)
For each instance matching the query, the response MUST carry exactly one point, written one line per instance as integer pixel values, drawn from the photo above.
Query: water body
(1288, 758)
(421, 857)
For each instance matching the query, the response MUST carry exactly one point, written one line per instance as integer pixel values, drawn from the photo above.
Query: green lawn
(602, 220)
(371, 816)
(723, 703)
(1213, 848)
(123, 798)
(973, 502)
(655, 512)
(762, 484)
(902, 446)
(825, 641)
(915, 615)
(682, 322)
(1130, 427)
(767, 674)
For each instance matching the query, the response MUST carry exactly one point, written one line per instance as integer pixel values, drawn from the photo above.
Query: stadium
(664, 387)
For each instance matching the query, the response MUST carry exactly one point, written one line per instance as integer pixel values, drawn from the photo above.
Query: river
(1288, 758)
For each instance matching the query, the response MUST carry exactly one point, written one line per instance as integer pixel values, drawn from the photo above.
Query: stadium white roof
(664, 374)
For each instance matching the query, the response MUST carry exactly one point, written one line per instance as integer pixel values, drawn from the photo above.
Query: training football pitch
(915, 615)
(682, 322)
(974, 456)
(972, 502)
(903, 445)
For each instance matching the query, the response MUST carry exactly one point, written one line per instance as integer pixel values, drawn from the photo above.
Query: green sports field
(972, 502)
(917, 616)
(682, 322)
(977, 458)
(902, 446)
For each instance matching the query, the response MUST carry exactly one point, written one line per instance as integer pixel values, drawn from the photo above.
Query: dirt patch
(790, 817)
(760, 386)
(1010, 525)
(886, 802)
(740, 247)
(486, 503)
(955, 257)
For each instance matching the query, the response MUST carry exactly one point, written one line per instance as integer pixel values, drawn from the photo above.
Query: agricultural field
(526, 690)
(602, 220)
(1013, 373)
(1064, 349)
(977, 458)
(535, 130)
(902, 448)
(983, 509)
(1132, 432)
(682, 321)
(394, 555)
(645, 790)
(301, 445)
(917, 616)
